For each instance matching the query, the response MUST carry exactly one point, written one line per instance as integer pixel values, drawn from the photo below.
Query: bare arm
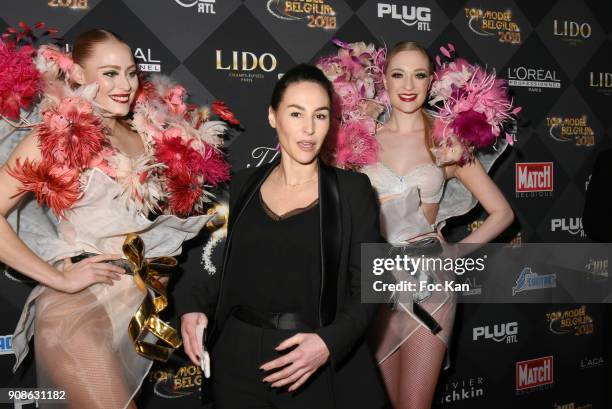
(15, 253)
(476, 180)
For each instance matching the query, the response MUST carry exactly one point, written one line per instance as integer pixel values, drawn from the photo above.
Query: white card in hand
(204, 356)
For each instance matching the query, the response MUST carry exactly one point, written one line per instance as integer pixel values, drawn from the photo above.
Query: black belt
(270, 320)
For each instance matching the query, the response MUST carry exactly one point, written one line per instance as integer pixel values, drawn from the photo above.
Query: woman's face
(407, 80)
(111, 66)
(302, 120)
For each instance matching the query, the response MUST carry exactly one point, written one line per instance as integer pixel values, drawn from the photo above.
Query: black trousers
(238, 382)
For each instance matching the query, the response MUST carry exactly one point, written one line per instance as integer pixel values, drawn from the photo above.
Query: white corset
(401, 217)
(401, 196)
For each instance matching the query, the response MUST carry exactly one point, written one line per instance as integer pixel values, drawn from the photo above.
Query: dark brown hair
(300, 73)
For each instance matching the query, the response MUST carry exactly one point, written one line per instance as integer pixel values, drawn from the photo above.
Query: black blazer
(597, 215)
(348, 217)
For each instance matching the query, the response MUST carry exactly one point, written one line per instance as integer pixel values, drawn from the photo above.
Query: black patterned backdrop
(557, 56)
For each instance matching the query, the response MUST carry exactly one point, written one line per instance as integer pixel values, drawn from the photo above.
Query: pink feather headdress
(356, 73)
(471, 104)
(182, 159)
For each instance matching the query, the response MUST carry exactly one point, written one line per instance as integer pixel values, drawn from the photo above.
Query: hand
(189, 322)
(299, 364)
(92, 270)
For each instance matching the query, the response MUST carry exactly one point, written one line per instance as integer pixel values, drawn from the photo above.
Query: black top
(274, 264)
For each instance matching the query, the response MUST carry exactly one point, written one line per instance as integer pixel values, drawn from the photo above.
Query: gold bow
(146, 325)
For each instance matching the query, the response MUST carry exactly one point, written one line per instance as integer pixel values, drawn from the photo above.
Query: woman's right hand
(189, 322)
(92, 270)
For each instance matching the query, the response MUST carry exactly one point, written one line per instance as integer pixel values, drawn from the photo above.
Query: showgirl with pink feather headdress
(123, 169)
(419, 162)
(470, 105)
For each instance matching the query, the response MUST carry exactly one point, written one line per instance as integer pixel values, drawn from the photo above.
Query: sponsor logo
(568, 129)
(597, 269)
(572, 225)
(245, 66)
(145, 60)
(6, 344)
(533, 179)
(601, 81)
(463, 389)
(494, 23)
(575, 321)
(202, 6)
(572, 32)
(529, 280)
(591, 362)
(507, 332)
(263, 155)
(73, 4)
(533, 78)
(534, 373)
(317, 13)
(473, 226)
(170, 384)
(411, 16)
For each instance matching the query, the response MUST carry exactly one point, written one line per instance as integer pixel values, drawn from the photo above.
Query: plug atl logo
(204, 6)
(498, 333)
(534, 372)
(408, 15)
(572, 225)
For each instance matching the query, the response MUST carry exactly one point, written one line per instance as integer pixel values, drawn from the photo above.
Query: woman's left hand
(299, 364)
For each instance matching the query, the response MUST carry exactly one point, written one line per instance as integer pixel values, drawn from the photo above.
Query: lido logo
(246, 61)
(571, 29)
(203, 6)
(408, 15)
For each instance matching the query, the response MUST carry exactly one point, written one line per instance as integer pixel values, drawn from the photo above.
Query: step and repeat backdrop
(557, 56)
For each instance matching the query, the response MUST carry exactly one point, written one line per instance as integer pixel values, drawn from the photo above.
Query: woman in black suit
(288, 322)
